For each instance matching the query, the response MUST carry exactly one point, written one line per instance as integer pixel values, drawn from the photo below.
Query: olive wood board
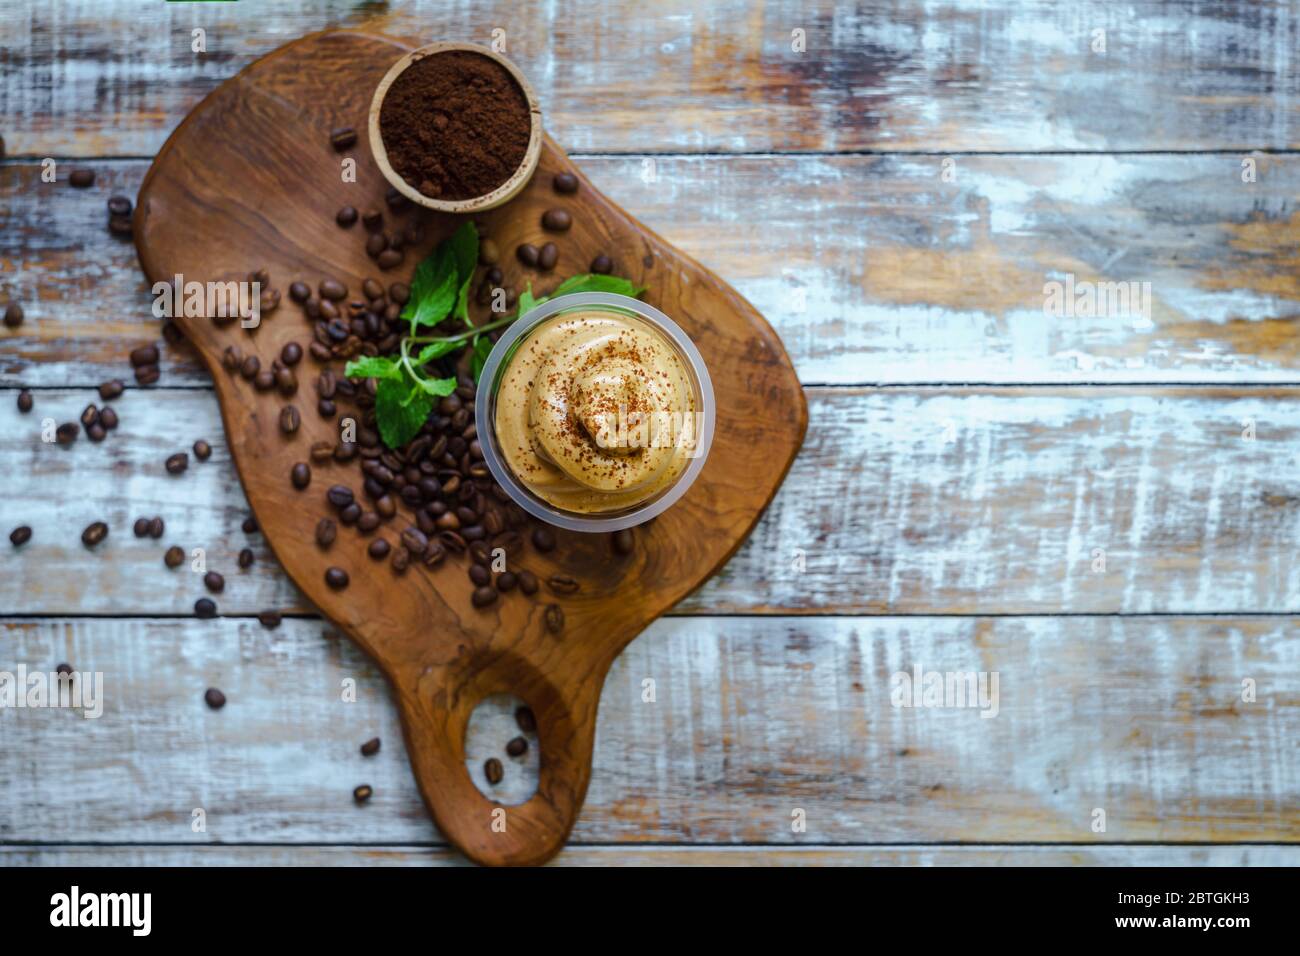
(250, 181)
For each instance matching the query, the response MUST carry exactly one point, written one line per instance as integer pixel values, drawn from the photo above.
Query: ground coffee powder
(455, 125)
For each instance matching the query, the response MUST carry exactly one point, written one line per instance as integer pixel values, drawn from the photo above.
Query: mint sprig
(404, 392)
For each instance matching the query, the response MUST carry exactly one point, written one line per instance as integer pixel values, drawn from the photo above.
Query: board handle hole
(492, 728)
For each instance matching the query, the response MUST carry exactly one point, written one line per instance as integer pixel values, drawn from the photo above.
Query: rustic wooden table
(1102, 509)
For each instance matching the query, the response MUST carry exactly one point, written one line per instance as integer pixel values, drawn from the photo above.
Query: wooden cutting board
(249, 181)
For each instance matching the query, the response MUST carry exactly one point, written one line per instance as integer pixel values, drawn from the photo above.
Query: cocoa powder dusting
(455, 125)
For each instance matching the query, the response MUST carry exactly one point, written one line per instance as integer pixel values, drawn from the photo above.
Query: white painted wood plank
(872, 269)
(631, 855)
(753, 718)
(901, 501)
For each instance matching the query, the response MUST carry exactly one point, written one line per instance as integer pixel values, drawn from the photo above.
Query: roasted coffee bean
(350, 514)
(623, 541)
(13, 315)
(507, 581)
(436, 553)
(488, 253)
(96, 432)
(554, 619)
(346, 217)
(205, 608)
(269, 619)
(376, 244)
(299, 291)
(336, 578)
(528, 254)
(249, 525)
(525, 720)
(448, 521)
(379, 549)
(479, 575)
(368, 522)
(145, 355)
(141, 527)
(67, 433)
(214, 582)
(493, 770)
(363, 793)
(119, 206)
(24, 401)
(300, 475)
(213, 697)
(415, 541)
(94, 534)
(147, 374)
(265, 380)
(326, 408)
(372, 289)
(322, 450)
(389, 259)
(177, 463)
(517, 747)
(202, 450)
(399, 293)
(290, 419)
(174, 557)
(20, 535)
(373, 220)
(245, 560)
(286, 381)
(401, 560)
(291, 354)
(602, 265)
(395, 200)
(466, 515)
(480, 552)
(89, 415)
(326, 532)
(557, 220)
(156, 528)
(370, 747)
(483, 596)
(343, 138)
(108, 417)
(345, 451)
(548, 256)
(452, 541)
(111, 389)
(565, 183)
(543, 539)
(82, 178)
(121, 226)
(563, 584)
(332, 290)
(172, 333)
(231, 359)
(473, 532)
(319, 352)
(249, 368)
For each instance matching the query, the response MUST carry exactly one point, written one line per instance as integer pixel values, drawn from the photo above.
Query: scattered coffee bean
(67, 433)
(63, 669)
(483, 596)
(332, 290)
(89, 415)
(119, 206)
(300, 475)
(565, 183)
(379, 549)
(264, 381)
(96, 432)
(376, 244)
(174, 557)
(543, 539)
(245, 560)
(346, 217)
(202, 450)
(108, 417)
(326, 532)
(525, 720)
(249, 368)
(517, 747)
(94, 534)
(555, 618)
(363, 793)
(488, 253)
(507, 581)
(493, 770)
(177, 463)
(528, 582)
(336, 578)
(340, 496)
(172, 333)
(401, 560)
(299, 291)
(82, 178)
(13, 315)
(370, 747)
(557, 220)
(395, 200)
(343, 138)
(20, 535)
(623, 541)
(214, 582)
(373, 220)
(205, 608)
(145, 355)
(563, 584)
(548, 256)
(214, 698)
(121, 225)
(389, 259)
(479, 575)
(290, 419)
(156, 528)
(415, 541)
(250, 525)
(269, 619)
(111, 389)
(147, 374)
(528, 254)
(291, 354)
(141, 527)
(602, 265)
(286, 381)
(24, 401)
(399, 293)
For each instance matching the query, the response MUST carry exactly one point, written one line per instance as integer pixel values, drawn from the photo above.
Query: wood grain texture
(903, 500)
(216, 206)
(872, 269)
(622, 856)
(751, 719)
(114, 77)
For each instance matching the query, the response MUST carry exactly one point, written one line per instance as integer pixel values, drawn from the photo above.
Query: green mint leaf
(436, 350)
(464, 250)
(373, 367)
(433, 289)
(482, 349)
(398, 413)
(526, 300)
(462, 304)
(597, 283)
(436, 387)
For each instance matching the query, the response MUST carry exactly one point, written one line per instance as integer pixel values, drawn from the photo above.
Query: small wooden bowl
(503, 193)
